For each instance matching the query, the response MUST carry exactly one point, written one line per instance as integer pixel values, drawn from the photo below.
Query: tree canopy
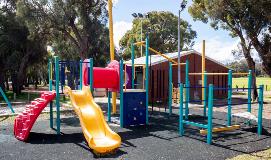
(163, 32)
(250, 20)
(20, 49)
(77, 27)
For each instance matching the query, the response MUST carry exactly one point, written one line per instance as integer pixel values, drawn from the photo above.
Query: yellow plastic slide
(98, 135)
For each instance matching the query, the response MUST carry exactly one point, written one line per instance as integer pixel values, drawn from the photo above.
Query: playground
(159, 139)
(129, 104)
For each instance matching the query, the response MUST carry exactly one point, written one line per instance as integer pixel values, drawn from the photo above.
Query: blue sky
(218, 43)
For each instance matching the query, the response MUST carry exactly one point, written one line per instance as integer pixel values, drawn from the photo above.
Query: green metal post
(91, 74)
(210, 114)
(50, 89)
(6, 99)
(260, 110)
(249, 86)
(181, 125)
(205, 94)
(133, 65)
(147, 79)
(170, 88)
(187, 93)
(57, 94)
(229, 97)
(81, 74)
(187, 99)
(121, 93)
(109, 107)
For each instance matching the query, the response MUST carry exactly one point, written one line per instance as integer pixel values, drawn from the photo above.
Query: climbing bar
(221, 129)
(225, 104)
(139, 43)
(161, 54)
(195, 124)
(218, 73)
(177, 64)
(208, 74)
(195, 87)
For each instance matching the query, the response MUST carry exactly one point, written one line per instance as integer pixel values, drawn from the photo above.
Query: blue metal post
(249, 86)
(121, 93)
(6, 99)
(181, 125)
(229, 97)
(170, 88)
(260, 110)
(187, 93)
(210, 114)
(109, 107)
(205, 94)
(91, 74)
(133, 65)
(147, 79)
(57, 94)
(81, 74)
(50, 89)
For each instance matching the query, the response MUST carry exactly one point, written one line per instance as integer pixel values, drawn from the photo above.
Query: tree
(80, 23)
(247, 19)
(163, 32)
(19, 48)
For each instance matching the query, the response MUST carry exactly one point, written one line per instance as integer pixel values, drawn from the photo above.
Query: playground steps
(24, 121)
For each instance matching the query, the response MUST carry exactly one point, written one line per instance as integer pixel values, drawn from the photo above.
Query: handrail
(218, 73)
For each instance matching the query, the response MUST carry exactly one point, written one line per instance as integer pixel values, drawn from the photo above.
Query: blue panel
(134, 108)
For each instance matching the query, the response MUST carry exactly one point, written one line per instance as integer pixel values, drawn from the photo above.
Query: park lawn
(242, 82)
(21, 97)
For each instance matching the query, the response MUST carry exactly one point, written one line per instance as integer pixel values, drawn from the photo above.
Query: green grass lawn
(21, 97)
(242, 82)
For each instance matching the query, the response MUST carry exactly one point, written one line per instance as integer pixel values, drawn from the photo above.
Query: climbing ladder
(24, 121)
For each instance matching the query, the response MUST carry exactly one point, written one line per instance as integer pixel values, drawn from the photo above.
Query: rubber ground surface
(158, 140)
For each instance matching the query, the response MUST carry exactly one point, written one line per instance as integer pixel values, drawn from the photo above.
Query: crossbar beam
(221, 129)
(195, 124)
(218, 74)
(161, 54)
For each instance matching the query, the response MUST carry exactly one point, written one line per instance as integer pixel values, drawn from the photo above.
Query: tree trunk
(264, 52)
(21, 73)
(2, 80)
(7, 85)
(251, 66)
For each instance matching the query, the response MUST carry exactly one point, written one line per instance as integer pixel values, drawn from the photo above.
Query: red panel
(103, 77)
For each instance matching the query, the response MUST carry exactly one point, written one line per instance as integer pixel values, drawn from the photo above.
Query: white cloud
(120, 28)
(115, 2)
(218, 49)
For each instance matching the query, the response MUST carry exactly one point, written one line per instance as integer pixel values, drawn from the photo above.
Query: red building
(159, 74)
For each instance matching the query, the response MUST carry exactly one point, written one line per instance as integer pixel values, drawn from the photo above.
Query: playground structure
(134, 103)
(208, 128)
(208, 101)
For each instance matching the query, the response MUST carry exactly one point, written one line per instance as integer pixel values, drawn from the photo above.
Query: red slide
(24, 121)
(103, 77)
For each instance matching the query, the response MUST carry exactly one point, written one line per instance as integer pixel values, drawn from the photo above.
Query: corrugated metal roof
(157, 59)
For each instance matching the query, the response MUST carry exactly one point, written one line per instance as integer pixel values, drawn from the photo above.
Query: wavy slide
(98, 135)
